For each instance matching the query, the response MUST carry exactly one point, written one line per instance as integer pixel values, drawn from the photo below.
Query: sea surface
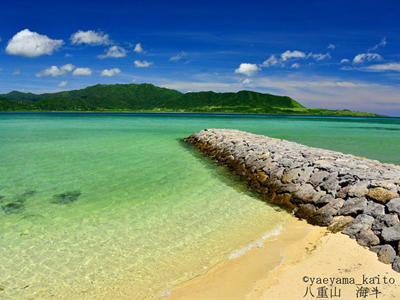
(116, 204)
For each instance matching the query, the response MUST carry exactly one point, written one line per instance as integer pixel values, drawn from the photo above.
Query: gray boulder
(386, 253)
(396, 264)
(374, 209)
(367, 238)
(392, 233)
(361, 222)
(381, 222)
(353, 206)
(394, 205)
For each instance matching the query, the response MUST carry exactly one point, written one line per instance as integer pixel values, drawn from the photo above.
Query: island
(150, 98)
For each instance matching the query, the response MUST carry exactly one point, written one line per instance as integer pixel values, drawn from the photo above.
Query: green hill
(150, 98)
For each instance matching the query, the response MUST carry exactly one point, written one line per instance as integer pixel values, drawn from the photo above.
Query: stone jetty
(359, 197)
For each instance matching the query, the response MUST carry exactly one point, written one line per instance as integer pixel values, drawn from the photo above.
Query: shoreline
(357, 196)
(306, 250)
(200, 114)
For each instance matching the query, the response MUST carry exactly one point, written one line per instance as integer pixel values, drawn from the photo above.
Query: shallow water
(94, 202)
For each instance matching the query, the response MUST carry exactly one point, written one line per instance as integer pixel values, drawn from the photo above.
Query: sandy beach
(312, 262)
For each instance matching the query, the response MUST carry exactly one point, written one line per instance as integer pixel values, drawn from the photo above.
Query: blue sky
(331, 54)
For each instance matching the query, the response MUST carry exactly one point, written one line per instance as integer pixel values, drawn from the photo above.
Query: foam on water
(257, 244)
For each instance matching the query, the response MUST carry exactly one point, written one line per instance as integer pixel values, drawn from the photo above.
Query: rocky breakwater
(357, 196)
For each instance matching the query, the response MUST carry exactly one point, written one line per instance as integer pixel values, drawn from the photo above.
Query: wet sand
(278, 269)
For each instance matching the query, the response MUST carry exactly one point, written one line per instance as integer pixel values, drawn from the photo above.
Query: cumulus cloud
(247, 69)
(177, 57)
(319, 56)
(82, 72)
(271, 61)
(110, 72)
(32, 44)
(247, 81)
(366, 57)
(384, 67)
(63, 83)
(138, 48)
(114, 51)
(55, 71)
(345, 61)
(90, 37)
(293, 54)
(331, 47)
(142, 64)
(295, 66)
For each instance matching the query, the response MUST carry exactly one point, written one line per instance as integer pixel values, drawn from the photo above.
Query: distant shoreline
(148, 98)
(196, 113)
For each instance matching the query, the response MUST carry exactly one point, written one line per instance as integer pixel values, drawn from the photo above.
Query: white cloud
(82, 72)
(177, 57)
(328, 92)
(142, 64)
(90, 37)
(384, 67)
(114, 51)
(63, 83)
(247, 81)
(295, 66)
(345, 61)
(110, 72)
(271, 61)
(68, 67)
(292, 54)
(319, 56)
(55, 71)
(16, 72)
(138, 48)
(331, 47)
(365, 57)
(382, 43)
(247, 69)
(32, 44)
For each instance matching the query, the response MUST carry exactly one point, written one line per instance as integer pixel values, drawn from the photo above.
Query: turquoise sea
(115, 204)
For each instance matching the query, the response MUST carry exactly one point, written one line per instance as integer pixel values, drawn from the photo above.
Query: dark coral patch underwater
(66, 197)
(13, 208)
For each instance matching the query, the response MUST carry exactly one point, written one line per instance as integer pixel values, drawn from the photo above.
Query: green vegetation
(150, 98)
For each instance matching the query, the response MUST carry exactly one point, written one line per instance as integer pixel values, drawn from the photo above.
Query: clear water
(100, 203)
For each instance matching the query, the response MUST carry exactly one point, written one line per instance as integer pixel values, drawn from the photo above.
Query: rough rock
(353, 206)
(305, 211)
(318, 177)
(381, 194)
(324, 215)
(367, 238)
(381, 222)
(374, 209)
(386, 253)
(396, 264)
(394, 205)
(358, 189)
(339, 222)
(392, 233)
